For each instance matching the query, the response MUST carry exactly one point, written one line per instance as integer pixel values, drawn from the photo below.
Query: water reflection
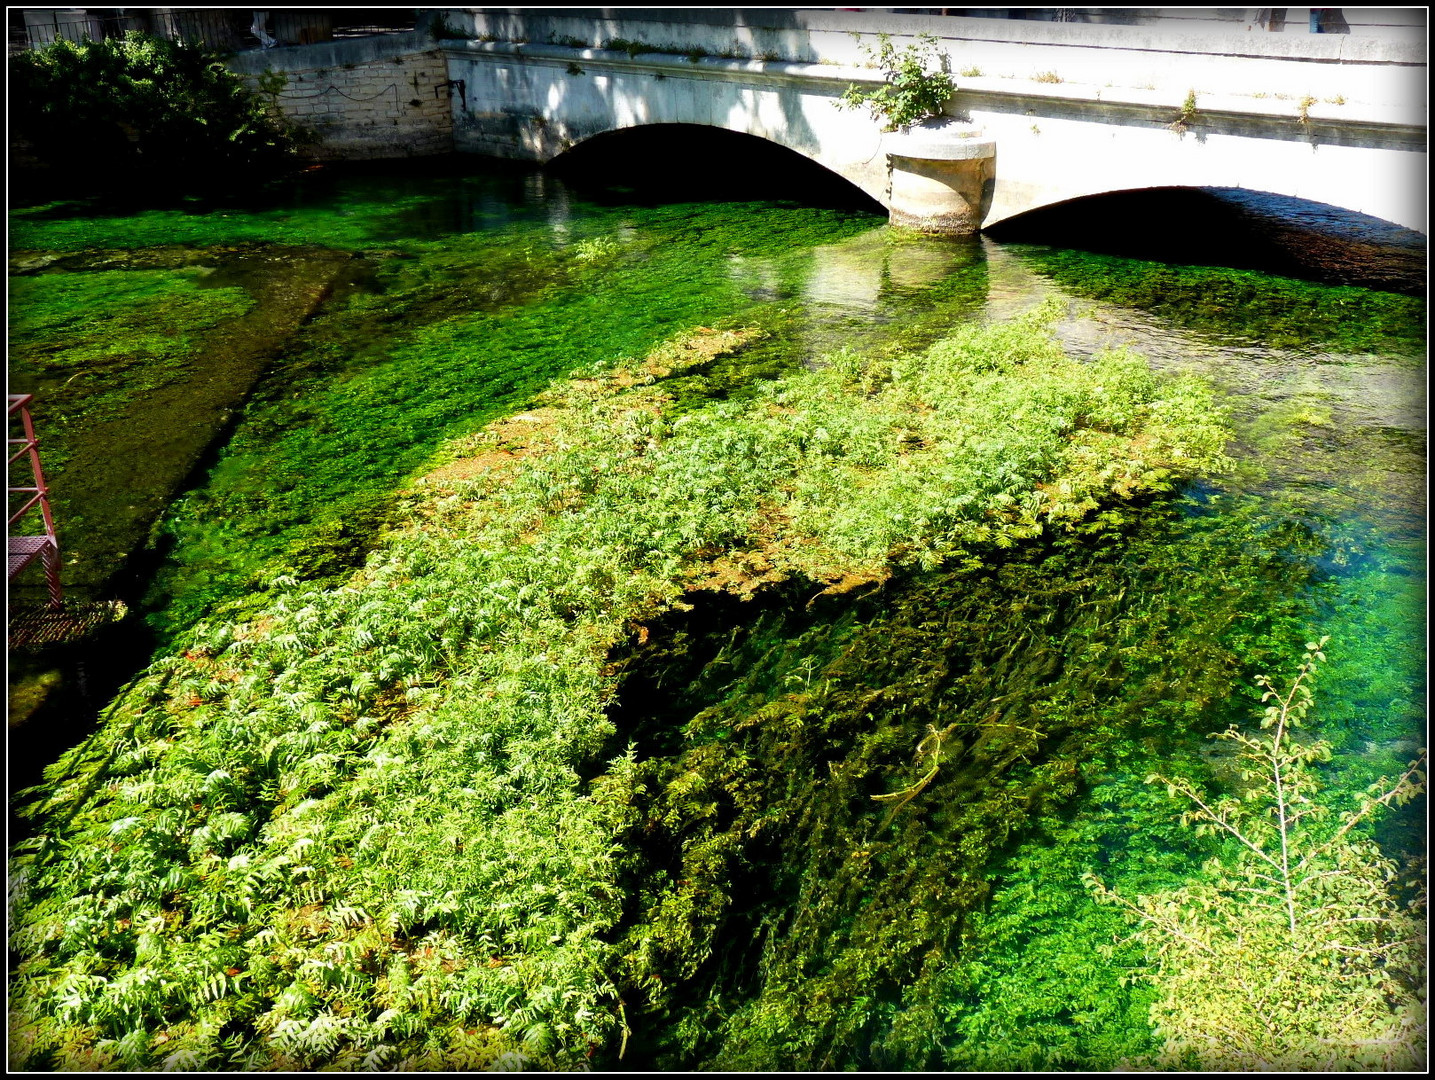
(1336, 431)
(845, 276)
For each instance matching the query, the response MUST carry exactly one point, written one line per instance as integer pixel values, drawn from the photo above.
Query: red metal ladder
(23, 550)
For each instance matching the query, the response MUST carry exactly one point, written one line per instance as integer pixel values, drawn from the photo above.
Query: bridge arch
(539, 102)
(1055, 153)
(1236, 227)
(706, 160)
(1055, 136)
(1377, 199)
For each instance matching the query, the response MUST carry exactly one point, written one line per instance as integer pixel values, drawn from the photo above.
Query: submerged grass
(786, 922)
(351, 831)
(87, 343)
(1280, 313)
(451, 332)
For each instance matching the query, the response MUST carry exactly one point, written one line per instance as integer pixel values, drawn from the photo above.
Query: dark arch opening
(660, 163)
(1249, 230)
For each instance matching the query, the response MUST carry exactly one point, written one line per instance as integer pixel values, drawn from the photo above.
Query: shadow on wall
(689, 162)
(1249, 230)
(749, 32)
(549, 107)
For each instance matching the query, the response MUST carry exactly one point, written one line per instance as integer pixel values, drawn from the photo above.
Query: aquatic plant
(1028, 987)
(352, 830)
(1246, 304)
(470, 328)
(794, 934)
(72, 335)
(1299, 951)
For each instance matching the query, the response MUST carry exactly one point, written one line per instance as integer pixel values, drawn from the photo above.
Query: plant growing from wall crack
(1188, 113)
(917, 83)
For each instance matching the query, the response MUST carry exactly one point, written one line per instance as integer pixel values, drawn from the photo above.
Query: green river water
(229, 395)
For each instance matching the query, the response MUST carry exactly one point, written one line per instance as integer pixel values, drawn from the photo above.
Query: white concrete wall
(535, 101)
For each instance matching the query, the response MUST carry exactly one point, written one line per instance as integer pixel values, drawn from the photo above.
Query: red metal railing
(23, 550)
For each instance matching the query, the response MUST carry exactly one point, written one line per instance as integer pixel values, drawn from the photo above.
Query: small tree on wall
(917, 85)
(142, 109)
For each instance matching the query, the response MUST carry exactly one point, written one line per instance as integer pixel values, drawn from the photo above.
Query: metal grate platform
(39, 625)
(23, 550)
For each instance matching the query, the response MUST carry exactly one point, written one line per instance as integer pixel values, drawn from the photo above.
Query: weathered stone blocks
(375, 106)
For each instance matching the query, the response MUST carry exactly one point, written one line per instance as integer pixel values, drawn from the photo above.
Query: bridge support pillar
(942, 176)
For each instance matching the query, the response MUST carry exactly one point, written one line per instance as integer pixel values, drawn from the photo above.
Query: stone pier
(943, 174)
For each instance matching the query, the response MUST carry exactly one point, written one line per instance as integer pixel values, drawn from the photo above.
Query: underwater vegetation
(392, 821)
(695, 637)
(135, 369)
(1278, 312)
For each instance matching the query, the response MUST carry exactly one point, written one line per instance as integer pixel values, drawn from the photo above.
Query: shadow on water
(685, 162)
(57, 691)
(1233, 228)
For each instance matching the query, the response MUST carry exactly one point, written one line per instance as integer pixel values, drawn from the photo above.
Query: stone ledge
(1272, 117)
(707, 66)
(1236, 105)
(782, 72)
(939, 140)
(1233, 44)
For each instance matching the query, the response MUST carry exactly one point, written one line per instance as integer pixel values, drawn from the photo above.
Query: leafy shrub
(1298, 953)
(917, 84)
(143, 109)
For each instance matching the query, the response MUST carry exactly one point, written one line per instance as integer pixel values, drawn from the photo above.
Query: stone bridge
(1044, 112)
